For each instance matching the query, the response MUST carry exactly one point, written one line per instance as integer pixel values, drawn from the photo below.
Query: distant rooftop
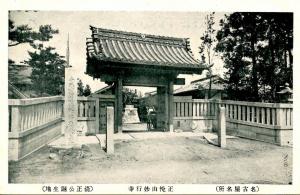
(203, 84)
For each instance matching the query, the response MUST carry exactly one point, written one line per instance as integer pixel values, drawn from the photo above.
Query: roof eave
(192, 68)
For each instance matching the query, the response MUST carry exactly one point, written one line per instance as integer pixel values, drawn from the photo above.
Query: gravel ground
(189, 160)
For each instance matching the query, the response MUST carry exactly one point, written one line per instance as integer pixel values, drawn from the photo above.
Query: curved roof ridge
(140, 36)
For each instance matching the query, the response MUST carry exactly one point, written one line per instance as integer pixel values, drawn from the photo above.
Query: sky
(76, 24)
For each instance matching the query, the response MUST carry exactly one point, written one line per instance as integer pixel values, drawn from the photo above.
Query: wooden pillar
(166, 107)
(159, 119)
(162, 108)
(171, 106)
(97, 116)
(119, 108)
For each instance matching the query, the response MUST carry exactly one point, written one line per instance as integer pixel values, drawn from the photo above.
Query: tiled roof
(286, 90)
(136, 48)
(108, 87)
(190, 87)
(202, 84)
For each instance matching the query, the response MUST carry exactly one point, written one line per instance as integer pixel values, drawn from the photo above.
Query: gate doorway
(104, 102)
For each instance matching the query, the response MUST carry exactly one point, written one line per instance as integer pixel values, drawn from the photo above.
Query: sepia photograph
(150, 99)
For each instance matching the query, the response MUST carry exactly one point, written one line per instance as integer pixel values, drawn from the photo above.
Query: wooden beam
(179, 81)
(145, 80)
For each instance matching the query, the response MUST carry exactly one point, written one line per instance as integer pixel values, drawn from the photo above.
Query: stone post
(70, 107)
(221, 128)
(110, 130)
(15, 119)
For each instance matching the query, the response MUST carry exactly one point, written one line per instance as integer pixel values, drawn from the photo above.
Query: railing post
(253, 114)
(263, 120)
(280, 117)
(243, 113)
(16, 119)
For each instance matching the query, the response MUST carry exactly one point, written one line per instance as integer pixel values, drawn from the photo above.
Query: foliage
(80, 87)
(47, 71)
(87, 90)
(12, 71)
(206, 48)
(81, 90)
(25, 34)
(257, 51)
(129, 96)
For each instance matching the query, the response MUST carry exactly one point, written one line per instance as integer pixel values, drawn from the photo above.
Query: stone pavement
(135, 127)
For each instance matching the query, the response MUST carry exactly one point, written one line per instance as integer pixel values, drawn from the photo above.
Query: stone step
(135, 127)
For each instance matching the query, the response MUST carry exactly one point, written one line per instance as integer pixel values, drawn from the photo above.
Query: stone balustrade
(270, 122)
(196, 108)
(270, 115)
(35, 122)
(32, 124)
(87, 106)
(27, 114)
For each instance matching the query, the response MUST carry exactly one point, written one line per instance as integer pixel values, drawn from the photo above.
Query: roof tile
(137, 48)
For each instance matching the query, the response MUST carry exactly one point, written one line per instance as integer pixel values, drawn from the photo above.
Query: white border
(144, 5)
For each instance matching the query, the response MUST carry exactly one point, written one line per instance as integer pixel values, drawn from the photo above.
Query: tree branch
(13, 44)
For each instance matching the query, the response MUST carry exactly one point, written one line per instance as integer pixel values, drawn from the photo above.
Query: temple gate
(135, 59)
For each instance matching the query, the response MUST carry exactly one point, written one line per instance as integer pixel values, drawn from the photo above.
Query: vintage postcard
(149, 97)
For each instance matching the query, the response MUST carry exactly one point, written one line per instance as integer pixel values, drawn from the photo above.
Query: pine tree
(47, 71)
(24, 34)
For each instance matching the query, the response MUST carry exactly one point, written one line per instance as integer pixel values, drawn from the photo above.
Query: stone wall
(205, 124)
(25, 143)
(283, 137)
